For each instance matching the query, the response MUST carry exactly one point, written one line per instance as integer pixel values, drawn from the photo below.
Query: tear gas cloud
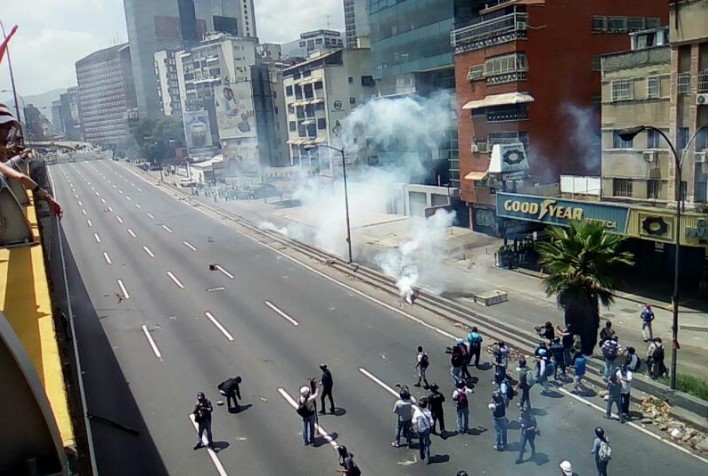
(585, 137)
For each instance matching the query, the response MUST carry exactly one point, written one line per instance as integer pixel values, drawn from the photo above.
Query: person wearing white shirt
(423, 423)
(624, 375)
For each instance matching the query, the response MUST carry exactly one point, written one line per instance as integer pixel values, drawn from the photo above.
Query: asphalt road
(182, 328)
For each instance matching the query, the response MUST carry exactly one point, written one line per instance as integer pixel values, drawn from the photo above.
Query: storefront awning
(499, 100)
(476, 176)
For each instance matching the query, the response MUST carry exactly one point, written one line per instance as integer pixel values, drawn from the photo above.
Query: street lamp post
(12, 75)
(346, 193)
(627, 135)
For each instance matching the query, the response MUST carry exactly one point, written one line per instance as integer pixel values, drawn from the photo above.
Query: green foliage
(690, 384)
(158, 138)
(581, 262)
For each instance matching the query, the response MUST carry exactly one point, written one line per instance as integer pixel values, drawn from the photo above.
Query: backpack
(461, 399)
(611, 350)
(303, 411)
(507, 390)
(424, 361)
(550, 369)
(658, 353)
(604, 452)
(475, 340)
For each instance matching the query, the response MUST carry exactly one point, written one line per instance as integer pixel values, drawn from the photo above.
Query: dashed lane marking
(281, 313)
(218, 325)
(155, 350)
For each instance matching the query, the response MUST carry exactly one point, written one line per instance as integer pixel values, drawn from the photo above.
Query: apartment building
(356, 23)
(311, 42)
(167, 83)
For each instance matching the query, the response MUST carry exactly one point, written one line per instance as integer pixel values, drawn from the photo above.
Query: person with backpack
(307, 409)
(546, 331)
(496, 405)
(456, 361)
(230, 389)
(465, 353)
(423, 423)
(403, 408)
(655, 359)
(632, 360)
(347, 465)
(202, 415)
(558, 352)
(614, 396)
(602, 450)
(327, 384)
(580, 368)
(524, 384)
(461, 398)
(647, 317)
(474, 341)
(610, 350)
(435, 402)
(529, 430)
(422, 363)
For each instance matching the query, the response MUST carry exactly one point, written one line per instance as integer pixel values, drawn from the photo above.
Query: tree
(158, 138)
(582, 263)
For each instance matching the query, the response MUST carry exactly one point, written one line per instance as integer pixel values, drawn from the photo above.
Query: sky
(54, 34)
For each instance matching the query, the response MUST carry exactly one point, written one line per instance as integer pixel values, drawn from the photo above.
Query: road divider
(218, 325)
(90, 223)
(137, 205)
(155, 350)
(319, 430)
(119, 219)
(151, 216)
(167, 228)
(175, 280)
(83, 212)
(275, 309)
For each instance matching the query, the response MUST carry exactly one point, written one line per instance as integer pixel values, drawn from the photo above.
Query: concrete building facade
(356, 23)
(106, 96)
(167, 83)
(312, 41)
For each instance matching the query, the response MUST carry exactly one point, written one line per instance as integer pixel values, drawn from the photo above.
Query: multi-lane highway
(155, 325)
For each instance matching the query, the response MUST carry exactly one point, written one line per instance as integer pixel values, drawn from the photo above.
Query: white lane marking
(137, 205)
(127, 198)
(113, 186)
(81, 204)
(212, 454)
(151, 215)
(152, 342)
(110, 209)
(119, 219)
(634, 425)
(120, 191)
(123, 290)
(189, 245)
(226, 273)
(140, 189)
(108, 258)
(98, 238)
(131, 233)
(83, 212)
(319, 430)
(132, 184)
(176, 281)
(147, 250)
(218, 325)
(166, 228)
(97, 194)
(282, 314)
(90, 223)
(378, 381)
(103, 200)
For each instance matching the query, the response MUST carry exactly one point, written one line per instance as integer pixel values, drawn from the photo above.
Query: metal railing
(497, 30)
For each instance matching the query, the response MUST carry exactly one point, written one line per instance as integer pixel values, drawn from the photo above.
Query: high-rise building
(356, 23)
(167, 83)
(312, 41)
(107, 101)
(169, 24)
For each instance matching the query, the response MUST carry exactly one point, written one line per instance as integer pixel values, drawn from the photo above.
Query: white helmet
(305, 391)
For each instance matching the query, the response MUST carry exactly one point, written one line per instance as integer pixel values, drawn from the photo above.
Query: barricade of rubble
(658, 413)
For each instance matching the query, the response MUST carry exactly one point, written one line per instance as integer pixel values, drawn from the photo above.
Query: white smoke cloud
(268, 226)
(585, 136)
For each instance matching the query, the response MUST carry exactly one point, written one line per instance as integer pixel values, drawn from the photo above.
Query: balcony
(500, 30)
(507, 78)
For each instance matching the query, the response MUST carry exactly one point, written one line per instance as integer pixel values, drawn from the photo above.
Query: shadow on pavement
(439, 459)
(339, 412)
(538, 412)
(240, 408)
(220, 446)
(477, 431)
(321, 440)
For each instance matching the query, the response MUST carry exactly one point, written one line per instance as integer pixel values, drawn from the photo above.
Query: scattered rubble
(658, 412)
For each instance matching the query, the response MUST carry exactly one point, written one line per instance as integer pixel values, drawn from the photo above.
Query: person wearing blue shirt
(647, 318)
(600, 461)
(580, 368)
(474, 340)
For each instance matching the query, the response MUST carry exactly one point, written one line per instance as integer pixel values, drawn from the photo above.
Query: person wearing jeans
(523, 384)
(403, 408)
(202, 415)
(614, 396)
(461, 398)
(309, 401)
(500, 423)
(624, 376)
(529, 430)
(423, 422)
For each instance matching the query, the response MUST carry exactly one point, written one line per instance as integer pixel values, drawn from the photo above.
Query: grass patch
(689, 384)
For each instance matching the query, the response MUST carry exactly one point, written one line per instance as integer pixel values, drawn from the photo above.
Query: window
(636, 23)
(684, 190)
(653, 22)
(702, 139)
(352, 101)
(682, 137)
(288, 90)
(367, 81)
(619, 143)
(505, 64)
(351, 80)
(292, 126)
(703, 81)
(653, 187)
(617, 24)
(318, 85)
(653, 87)
(622, 90)
(683, 83)
(653, 139)
(475, 72)
(319, 106)
(322, 123)
(511, 112)
(599, 24)
(596, 63)
(622, 187)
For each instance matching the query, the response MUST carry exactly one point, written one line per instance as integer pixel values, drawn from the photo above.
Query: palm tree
(581, 262)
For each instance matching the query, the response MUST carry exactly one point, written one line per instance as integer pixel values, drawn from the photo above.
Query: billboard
(197, 130)
(234, 111)
(243, 158)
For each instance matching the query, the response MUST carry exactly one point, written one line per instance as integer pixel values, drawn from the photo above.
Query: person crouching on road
(403, 408)
(347, 465)
(307, 409)
(496, 405)
(327, 384)
(202, 415)
(230, 389)
(423, 422)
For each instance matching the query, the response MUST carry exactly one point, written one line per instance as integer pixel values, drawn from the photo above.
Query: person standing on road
(230, 389)
(462, 406)
(602, 450)
(606, 333)
(327, 384)
(524, 384)
(496, 405)
(422, 362)
(435, 402)
(624, 375)
(456, 361)
(474, 341)
(307, 409)
(580, 369)
(542, 370)
(610, 350)
(529, 430)
(647, 318)
(403, 408)
(423, 422)
(202, 415)
(558, 352)
(566, 336)
(614, 396)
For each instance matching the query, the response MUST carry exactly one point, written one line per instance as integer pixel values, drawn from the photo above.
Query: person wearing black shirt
(230, 389)
(327, 384)
(202, 415)
(529, 430)
(435, 403)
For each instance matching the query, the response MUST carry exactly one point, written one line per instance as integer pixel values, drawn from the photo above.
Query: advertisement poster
(196, 129)
(234, 111)
(244, 158)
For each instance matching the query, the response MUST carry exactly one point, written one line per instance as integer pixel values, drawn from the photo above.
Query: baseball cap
(567, 468)
(6, 116)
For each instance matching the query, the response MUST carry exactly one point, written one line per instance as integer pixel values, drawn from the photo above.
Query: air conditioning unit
(650, 156)
(521, 25)
(700, 157)
(702, 99)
